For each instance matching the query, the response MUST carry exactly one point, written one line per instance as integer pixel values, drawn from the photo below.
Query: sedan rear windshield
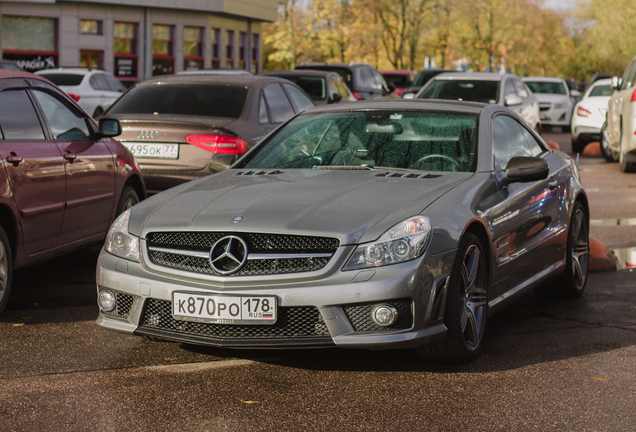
(63, 79)
(184, 99)
(400, 80)
(546, 87)
(601, 90)
(465, 90)
(409, 140)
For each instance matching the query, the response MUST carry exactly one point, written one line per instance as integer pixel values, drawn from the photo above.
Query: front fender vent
(258, 172)
(399, 174)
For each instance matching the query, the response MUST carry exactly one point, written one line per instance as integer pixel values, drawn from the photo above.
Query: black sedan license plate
(224, 309)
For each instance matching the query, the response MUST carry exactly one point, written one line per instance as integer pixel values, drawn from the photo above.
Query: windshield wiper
(343, 167)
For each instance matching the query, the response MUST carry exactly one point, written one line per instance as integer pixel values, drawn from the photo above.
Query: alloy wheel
(580, 249)
(473, 298)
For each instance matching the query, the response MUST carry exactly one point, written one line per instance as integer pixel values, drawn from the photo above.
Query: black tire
(607, 152)
(578, 146)
(98, 111)
(6, 269)
(466, 309)
(623, 165)
(128, 199)
(577, 260)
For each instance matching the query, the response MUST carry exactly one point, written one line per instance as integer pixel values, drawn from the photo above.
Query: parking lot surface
(557, 365)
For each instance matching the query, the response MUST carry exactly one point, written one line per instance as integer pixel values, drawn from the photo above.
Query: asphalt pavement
(547, 365)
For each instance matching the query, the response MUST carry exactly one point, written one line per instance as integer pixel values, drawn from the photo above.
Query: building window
(255, 54)
(91, 27)
(125, 48)
(229, 50)
(92, 59)
(162, 50)
(242, 63)
(216, 53)
(192, 48)
(30, 42)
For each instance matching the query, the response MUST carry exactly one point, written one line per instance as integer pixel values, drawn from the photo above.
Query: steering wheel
(454, 162)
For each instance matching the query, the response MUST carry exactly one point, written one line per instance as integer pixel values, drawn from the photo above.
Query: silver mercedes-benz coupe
(379, 225)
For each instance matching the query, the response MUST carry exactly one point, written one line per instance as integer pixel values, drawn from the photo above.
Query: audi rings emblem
(147, 134)
(228, 255)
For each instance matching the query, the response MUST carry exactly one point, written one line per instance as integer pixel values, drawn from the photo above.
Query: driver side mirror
(616, 82)
(526, 169)
(513, 100)
(109, 128)
(391, 87)
(575, 93)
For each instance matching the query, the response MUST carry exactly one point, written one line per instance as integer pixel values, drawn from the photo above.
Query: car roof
(10, 73)
(73, 70)
(217, 72)
(397, 72)
(300, 72)
(237, 80)
(602, 81)
(544, 79)
(481, 76)
(335, 65)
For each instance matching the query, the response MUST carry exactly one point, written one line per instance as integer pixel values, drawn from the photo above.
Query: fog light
(384, 315)
(106, 301)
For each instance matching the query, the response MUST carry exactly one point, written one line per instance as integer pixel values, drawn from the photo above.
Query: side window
(113, 84)
(508, 140)
(98, 82)
(262, 111)
(533, 145)
(279, 106)
(509, 89)
(521, 89)
(366, 79)
(333, 87)
(18, 118)
(377, 80)
(343, 89)
(66, 124)
(301, 101)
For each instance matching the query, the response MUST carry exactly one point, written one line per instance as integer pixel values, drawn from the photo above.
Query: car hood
(355, 206)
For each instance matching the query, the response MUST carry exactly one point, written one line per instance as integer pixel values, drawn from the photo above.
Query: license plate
(155, 151)
(224, 309)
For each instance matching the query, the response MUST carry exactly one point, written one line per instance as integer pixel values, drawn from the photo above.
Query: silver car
(504, 89)
(380, 224)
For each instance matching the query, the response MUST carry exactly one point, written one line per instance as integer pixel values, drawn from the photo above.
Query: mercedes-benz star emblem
(228, 255)
(237, 219)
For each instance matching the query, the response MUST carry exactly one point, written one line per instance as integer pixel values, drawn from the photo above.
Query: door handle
(70, 157)
(14, 159)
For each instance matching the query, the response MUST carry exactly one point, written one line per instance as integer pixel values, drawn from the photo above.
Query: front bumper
(316, 309)
(555, 117)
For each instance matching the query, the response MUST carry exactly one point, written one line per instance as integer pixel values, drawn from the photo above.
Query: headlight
(560, 105)
(120, 242)
(404, 242)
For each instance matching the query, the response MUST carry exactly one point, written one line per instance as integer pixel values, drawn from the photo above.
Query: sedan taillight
(582, 112)
(75, 97)
(634, 96)
(219, 144)
(356, 95)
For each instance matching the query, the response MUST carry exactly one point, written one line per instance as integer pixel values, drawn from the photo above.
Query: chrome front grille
(269, 254)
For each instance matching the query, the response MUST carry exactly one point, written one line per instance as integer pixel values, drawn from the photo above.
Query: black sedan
(379, 225)
(182, 127)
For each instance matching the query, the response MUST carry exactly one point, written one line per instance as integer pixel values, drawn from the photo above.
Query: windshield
(546, 87)
(462, 89)
(427, 141)
(184, 99)
(63, 79)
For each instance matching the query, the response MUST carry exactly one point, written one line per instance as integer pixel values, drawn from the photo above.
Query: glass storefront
(30, 42)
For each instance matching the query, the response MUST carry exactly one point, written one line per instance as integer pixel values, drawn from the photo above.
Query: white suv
(92, 89)
(618, 136)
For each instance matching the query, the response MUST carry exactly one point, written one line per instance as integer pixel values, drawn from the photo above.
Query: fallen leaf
(250, 402)
(599, 379)
(18, 325)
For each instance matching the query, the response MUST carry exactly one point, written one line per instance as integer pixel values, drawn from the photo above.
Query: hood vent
(258, 173)
(396, 174)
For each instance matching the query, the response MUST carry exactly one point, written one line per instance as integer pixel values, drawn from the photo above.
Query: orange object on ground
(553, 145)
(601, 257)
(592, 149)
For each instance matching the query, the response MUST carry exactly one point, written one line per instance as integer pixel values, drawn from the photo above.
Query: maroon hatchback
(64, 179)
